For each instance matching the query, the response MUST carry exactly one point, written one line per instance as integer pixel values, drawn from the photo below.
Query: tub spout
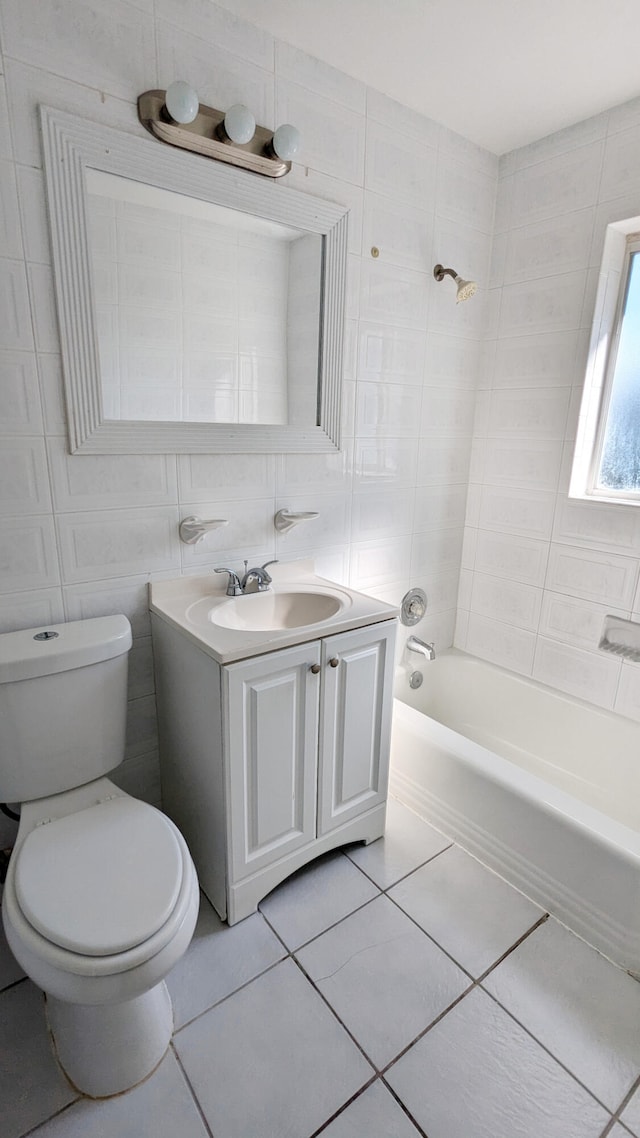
(414, 644)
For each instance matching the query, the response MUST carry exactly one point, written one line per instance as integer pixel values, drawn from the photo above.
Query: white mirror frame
(72, 144)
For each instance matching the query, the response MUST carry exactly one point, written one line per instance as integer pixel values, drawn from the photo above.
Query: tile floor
(383, 992)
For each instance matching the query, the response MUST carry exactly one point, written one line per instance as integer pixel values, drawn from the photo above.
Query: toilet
(101, 895)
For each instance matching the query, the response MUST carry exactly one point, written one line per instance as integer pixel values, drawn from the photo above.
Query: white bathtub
(543, 788)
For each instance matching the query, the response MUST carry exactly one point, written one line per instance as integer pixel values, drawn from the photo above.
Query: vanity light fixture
(178, 117)
(465, 289)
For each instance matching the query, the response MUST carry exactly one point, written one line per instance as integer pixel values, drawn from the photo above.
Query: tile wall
(81, 536)
(540, 571)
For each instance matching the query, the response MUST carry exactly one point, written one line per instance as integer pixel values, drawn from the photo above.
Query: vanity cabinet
(269, 761)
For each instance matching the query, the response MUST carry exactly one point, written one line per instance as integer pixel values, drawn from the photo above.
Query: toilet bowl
(100, 901)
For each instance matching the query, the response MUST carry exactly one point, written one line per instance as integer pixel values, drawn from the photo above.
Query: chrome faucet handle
(267, 576)
(234, 588)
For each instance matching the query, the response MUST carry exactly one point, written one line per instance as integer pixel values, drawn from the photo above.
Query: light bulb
(286, 142)
(181, 102)
(239, 123)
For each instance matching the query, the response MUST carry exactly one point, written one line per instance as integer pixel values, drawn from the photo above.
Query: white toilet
(101, 896)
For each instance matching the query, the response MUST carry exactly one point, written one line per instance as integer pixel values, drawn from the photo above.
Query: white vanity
(275, 718)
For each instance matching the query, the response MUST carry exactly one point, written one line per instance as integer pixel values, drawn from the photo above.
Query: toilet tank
(63, 705)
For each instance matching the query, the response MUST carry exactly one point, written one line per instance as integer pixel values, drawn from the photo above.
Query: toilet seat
(103, 880)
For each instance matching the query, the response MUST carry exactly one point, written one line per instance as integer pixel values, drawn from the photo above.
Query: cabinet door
(355, 727)
(271, 733)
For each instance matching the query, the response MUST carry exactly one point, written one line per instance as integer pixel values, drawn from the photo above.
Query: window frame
(622, 239)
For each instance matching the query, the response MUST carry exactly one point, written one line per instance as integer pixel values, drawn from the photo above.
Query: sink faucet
(237, 587)
(414, 644)
(258, 574)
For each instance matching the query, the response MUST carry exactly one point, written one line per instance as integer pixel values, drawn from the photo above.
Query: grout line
(385, 888)
(403, 1107)
(541, 921)
(427, 1029)
(544, 1047)
(348, 1103)
(337, 1017)
(223, 999)
(191, 1090)
(623, 1106)
(57, 1114)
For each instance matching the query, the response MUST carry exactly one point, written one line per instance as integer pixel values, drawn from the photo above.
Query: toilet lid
(103, 880)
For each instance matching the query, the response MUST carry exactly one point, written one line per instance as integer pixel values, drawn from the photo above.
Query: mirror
(200, 307)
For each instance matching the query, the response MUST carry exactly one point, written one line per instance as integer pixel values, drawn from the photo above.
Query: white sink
(299, 606)
(268, 611)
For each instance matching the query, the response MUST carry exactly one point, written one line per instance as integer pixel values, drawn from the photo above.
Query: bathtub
(543, 788)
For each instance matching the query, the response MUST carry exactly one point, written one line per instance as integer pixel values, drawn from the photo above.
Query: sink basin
(264, 612)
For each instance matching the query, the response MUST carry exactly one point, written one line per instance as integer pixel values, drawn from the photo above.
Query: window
(606, 464)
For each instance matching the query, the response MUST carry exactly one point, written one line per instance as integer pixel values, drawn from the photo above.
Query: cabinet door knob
(334, 662)
(315, 668)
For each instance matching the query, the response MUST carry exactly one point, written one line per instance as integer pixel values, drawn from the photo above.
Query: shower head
(465, 289)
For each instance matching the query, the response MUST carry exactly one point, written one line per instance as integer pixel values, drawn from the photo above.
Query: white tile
(388, 409)
(314, 473)
(407, 843)
(278, 1034)
(315, 898)
(530, 463)
(397, 168)
(331, 527)
(82, 482)
(382, 463)
(15, 313)
(376, 563)
(393, 355)
(28, 553)
(446, 412)
(457, 146)
(205, 477)
(220, 78)
(465, 194)
(250, 528)
(402, 120)
(115, 543)
(24, 478)
(384, 1008)
(162, 1105)
(10, 228)
(501, 643)
(591, 524)
(218, 961)
(578, 1005)
(114, 50)
(469, 911)
(20, 412)
(142, 727)
(437, 551)
(140, 777)
(443, 459)
(333, 135)
(393, 295)
(380, 513)
(451, 361)
(627, 700)
(440, 507)
(5, 134)
(631, 1117)
(586, 675)
(561, 141)
(509, 601)
(319, 77)
(555, 245)
(550, 304)
(127, 595)
(618, 1131)
(520, 511)
(219, 26)
(605, 578)
(140, 676)
(45, 318)
(514, 558)
(32, 1086)
(573, 619)
(532, 412)
(33, 207)
(559, 185)
(466, 1076)
(32, 609)
(375, 1109)
(621, 170)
